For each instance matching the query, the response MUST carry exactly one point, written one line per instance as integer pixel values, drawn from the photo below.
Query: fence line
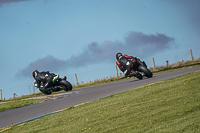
(104, 73)
(1, 95)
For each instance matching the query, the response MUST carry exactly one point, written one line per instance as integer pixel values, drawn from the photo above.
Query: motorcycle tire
(67, 85)
(146, 71)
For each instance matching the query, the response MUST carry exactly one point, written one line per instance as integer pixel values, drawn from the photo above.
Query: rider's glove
(35, 84)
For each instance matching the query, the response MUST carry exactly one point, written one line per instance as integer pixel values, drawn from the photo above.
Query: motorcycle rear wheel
(146, 71)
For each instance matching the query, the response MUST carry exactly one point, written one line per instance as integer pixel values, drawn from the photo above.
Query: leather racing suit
(43, 80)
(125, 63)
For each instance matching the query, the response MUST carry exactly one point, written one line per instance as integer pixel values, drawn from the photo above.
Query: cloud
(135, 43)
(146, 45)
(48, 63)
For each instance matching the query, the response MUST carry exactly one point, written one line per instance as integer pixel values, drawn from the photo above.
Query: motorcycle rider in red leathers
(125, 63)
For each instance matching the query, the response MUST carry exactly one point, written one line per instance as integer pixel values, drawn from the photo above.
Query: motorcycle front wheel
(146, 71)
(67, 86)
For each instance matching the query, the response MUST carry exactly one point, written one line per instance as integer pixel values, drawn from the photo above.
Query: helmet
(35, 73)
(118, 55)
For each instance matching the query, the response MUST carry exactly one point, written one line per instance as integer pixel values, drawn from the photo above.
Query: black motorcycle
(140, 67)
(58, 85)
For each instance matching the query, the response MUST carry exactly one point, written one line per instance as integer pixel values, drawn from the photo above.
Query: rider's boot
(54, 88)
(65, 78)
(139, 76)
(136, 74)
(48, 90)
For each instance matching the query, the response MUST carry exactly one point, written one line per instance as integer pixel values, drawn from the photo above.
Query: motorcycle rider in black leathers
(43, 80)
(125, 63)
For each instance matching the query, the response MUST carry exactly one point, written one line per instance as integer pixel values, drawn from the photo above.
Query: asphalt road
(76, 97)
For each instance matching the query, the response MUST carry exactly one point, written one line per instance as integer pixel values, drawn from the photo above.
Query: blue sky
(72, 36)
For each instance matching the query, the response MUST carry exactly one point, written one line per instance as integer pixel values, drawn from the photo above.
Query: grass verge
(18, 103)
(169, 106)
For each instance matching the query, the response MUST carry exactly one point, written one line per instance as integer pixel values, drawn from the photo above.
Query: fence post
(191, 55)
(167, 63)
(33, 89)
(76, 80)
(1, 95)
(116, 71)
(154, 66)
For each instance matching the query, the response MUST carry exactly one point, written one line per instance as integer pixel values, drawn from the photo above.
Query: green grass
(18, 103)
(169, 106)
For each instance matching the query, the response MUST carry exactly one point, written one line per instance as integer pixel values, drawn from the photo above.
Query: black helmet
(35, 73)
(118, 55)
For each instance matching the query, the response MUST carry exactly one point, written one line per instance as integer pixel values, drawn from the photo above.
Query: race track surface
(76, 97)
